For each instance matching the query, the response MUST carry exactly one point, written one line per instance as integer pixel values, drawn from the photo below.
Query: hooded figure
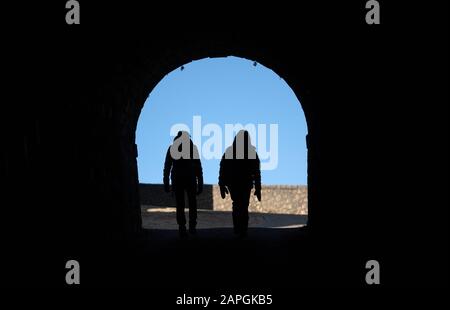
(185, 169)
(239, 172)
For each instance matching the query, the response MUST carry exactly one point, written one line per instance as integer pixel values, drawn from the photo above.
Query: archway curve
(169, 61)
(284, 190)
(172, 68)
(135, 78)
(176, 65)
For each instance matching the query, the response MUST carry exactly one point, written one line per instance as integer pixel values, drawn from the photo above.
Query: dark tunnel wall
(87, 128)
(92, 120)
(70, 159)
(100, 117)
(135, 84)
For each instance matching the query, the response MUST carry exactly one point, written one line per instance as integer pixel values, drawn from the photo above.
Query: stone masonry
(278, 199)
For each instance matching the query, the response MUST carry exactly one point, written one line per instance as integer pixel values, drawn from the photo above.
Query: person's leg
(244, 209)
(235, 214)
(192, 200)
(241, 200)
(181, 217)
(235, 197)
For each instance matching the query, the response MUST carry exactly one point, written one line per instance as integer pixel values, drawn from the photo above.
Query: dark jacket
(183, 171)
(240, 172)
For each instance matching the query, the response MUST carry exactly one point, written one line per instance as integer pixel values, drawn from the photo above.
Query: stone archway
(114, 95)
(283, 205)
(145, 75)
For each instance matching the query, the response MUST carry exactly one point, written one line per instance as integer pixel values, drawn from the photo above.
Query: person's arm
(257, 178)
(198, 171)
(223, 188)
(222, 171)
(167, 168)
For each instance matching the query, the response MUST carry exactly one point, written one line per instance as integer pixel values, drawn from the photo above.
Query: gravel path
(164, 218)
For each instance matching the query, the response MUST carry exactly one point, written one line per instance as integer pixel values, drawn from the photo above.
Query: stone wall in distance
(284, 199)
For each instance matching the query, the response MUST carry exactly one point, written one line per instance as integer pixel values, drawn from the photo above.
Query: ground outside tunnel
(215, 256)
(165, 219)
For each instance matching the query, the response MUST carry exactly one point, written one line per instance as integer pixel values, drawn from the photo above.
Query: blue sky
(223, 91)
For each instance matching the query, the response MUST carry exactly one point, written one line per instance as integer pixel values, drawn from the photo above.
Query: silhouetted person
(185, 169)
(239, 172)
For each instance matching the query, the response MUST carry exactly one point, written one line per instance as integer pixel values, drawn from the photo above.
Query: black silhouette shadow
(163, 219)
(154, 196)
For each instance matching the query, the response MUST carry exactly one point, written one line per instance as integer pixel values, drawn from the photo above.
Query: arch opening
(210, 98)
